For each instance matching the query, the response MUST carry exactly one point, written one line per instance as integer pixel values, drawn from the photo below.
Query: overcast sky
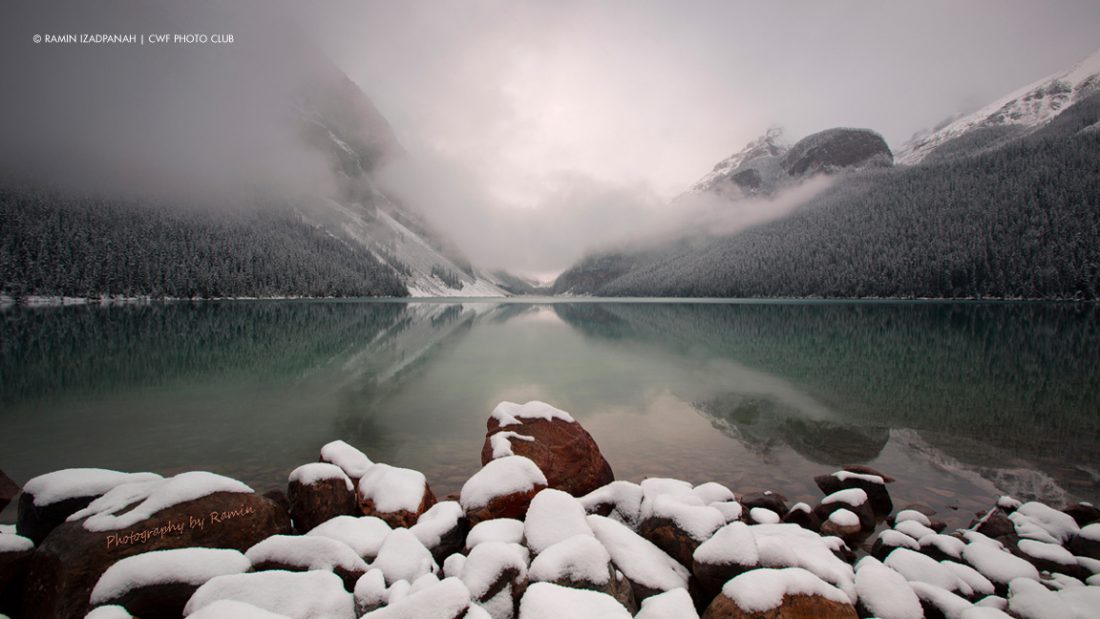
(539, 131)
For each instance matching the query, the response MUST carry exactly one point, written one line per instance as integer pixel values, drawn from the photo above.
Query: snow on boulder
(370, 592)
(787, 592)
(1059, 525)
(842, 523)
(503, 488)
(913, 529)
(911, 514)
(939, 602)
(111, 611)
(1087, 542)
(980, 585)
(187, 510)
(647, 567)
(674, 604)
(318, 492)
(678, 528)
(159, 583)
(14, 543)
(302, 595)
(363, 534)
(803, 515)
(729, 552)
(1047, 557)
(940, 546)
(998, 566)
(884, 593)
(447, 599)
(917, 567)
(582, 562)
(854, 500)
(789, 545)
(620, 500)
(497, 530)
(561, 448)
(353, 462)
(442, 529)
(984, 612)
(394, 494)
(403, 557)
(874, 485)
(545, 600)
(300, 553)
(730, 510)
(48, 500)
(496, 575)
(15, 558)
(713, 492)
(552, 517)
(763, 515)
(231, 609)
(1027, 599)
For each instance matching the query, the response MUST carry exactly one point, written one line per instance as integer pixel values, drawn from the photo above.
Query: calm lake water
(960, 401)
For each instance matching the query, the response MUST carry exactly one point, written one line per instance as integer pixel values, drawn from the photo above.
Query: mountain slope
(1029, 107)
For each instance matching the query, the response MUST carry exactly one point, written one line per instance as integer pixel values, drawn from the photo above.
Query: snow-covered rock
(442, 529)
(363, 534)
(496, 530)
(307, 552)
(763, 590)
(353, 462)
(884, 593)
(552, 517)
(496, 574)
(394, 494)
(302, 595)
(403, 557)
(619, 500)
(545, 600)
(150, 583)
(229, 609)
(447, 599)
(503, 488)
(674, 604)
(317, 492)
(648, 568)
(151, 495)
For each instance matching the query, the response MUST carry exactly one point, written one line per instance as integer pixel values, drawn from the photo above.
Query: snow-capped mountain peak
(771, 144)
(1029, 107)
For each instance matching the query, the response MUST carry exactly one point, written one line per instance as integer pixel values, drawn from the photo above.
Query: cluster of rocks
(542, 530)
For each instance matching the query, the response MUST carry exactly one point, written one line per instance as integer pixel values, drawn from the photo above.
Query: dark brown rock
(36, 521)
(348, 576)
(322, 500)
(379, 481)
(848, 533)
(666, 535)
(278, 497)
(877, 494)
(1084, 547)
(505, 506)
(565, 451)
(66, 566)
(8, 490)
(994, 524)
(1083, 514)
(617, 586)
(804, 518)
(863, 511)
(13, 572)
(164, 601)
(792, 607)
(711, 576)
(768, 500)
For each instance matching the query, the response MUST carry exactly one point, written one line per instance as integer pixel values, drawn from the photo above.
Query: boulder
(155, 585)
(394, 494)
(836, 149)
(1083, 513)
(546, 599)
(854, 500)
(8, 490)
(445, 599)
(49, 499)
(789, 593)
(731, 551)
(1087, 542)
(15, 557)
(802, 515)
(293, 594)
(581, 562)
(442, 529)
(503, 488)
(495, 573)
(364, 534)
(648, 568)
(71, 560)
(842, 523)
(768, 500)
(564, 451)
(353, 462)
(318, 492)
(678, 528)
(873, 484)
(302, 553)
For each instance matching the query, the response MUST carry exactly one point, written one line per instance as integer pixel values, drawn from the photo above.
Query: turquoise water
(959, 401)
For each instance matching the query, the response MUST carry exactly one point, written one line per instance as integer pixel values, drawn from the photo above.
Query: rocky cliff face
(837, 149)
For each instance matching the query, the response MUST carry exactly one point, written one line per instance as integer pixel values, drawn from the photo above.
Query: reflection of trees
(1019, 376)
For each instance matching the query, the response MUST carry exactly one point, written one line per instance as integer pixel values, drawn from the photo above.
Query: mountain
(1018, 219)
(1025, 109)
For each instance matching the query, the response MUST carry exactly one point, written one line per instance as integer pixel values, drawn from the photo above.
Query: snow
(393, 489)
(789, 545)
(192, 566)
(951, 605)
(510, 413)
(231, 609)
(898, 539)
(500, 477)
(447, 598)
(487, 562)
(112, 611)
(850, 496)
(302, 595)
(998, 565)
(674, 604)
(624, 496)
(7, 528)
(972, 577)
(363, 534)
(1059, 525)
(403, 557)
(993, 601)
(545, 600)
(950, 546)
(398, 591)
(154, 495)
(14, 543)
(713, 492)
(552, 517)
(913, 529)
(912, 514)
(698, 521)
(640, 560)
(733, 544)
(72, 483)
(1049, 552)
(496, 530)
(501, 443)
(452, 565)
(1083, 600)
(871, 479)
(973, 537)
(1090, 564)
(1008, 503)
(884, 592)
(580, 558)
(983, 612)
(370, 590)
(763, 515)
(1028, 599)
(433, 524)
(763, 589)
(311, 552)
(844, 518)
(915, 566)
(425, 581)
(731, 510)
(1090, 532)
(309, 474)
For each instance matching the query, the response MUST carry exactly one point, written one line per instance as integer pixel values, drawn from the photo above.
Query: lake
(959, 401)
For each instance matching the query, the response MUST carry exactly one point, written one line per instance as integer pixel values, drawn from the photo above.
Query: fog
(534, 132)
